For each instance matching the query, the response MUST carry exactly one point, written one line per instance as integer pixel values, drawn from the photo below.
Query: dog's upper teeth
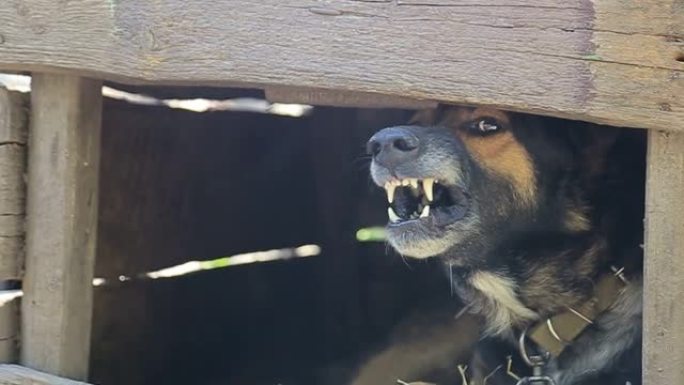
(389, 188)
(414, 183)
(425, 212)
(405, 182)
(393, 217)
(427, 187)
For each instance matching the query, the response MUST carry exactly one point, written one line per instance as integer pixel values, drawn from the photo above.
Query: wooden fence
(605, 61)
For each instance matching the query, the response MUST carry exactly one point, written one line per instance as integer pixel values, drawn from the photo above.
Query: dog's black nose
(393, 146)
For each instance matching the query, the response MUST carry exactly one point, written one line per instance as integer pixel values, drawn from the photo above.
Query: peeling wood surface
(19, 375)
(13, 120)
(61, 222)
(607, 61)
(663, 347)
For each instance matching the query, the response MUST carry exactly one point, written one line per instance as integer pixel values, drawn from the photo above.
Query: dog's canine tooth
(393, 217)
(389, 188)
(425, 212)
(427, 187)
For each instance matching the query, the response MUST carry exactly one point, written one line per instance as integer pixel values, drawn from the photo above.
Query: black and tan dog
(539, 223)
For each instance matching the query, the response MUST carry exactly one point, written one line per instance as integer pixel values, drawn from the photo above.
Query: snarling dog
(538, 221)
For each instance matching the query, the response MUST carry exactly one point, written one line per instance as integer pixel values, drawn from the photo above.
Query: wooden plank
(9, 329)
(170, 92)
(13, 117)
(61, 224)
(19, 375)
(607, 61)
(663, 347)
(13, 129)
(320, 97)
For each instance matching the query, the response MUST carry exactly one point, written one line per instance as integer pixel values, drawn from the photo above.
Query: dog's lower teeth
(393, 217)
(425, 212)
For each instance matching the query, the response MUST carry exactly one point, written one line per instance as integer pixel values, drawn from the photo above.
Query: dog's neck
(531, 284)
(613, 343)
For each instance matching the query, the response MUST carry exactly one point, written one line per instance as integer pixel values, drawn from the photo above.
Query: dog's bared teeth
(414, 183)
(393, 217)
(427, 187)
(425, 212)
(389, 188)
(405, 182)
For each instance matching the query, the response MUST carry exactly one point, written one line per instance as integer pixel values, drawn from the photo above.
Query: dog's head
(463, 180)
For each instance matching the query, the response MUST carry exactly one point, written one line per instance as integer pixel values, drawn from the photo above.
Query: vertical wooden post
(13, 120)
(663, 348)
(63, 164)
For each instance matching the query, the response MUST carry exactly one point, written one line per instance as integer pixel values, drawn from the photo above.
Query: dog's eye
(484, 125)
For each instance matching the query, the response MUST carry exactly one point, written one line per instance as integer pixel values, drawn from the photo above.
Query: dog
(538, 222)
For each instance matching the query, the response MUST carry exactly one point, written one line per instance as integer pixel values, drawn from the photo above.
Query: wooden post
(663, 348)
(13, 119)
(63, 164)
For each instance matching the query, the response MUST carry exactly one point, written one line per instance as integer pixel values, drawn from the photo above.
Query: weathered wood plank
(12, 208)
(607, 61)
(174, 92)
(19, 375)
(13, 117)
(9, 330)
(319, 97)
(663, 347)
(63, 165)
(13, 121)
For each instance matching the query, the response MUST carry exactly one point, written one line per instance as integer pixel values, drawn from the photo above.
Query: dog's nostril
(393, 146)
(373, 148)
(405, 144)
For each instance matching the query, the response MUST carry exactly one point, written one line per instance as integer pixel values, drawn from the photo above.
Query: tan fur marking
(576, 220)
(503, 155)
(506, 310)
(592, 258)
(543, 289)
(500, 153)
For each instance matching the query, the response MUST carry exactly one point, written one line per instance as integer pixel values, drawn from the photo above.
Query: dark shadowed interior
(179, 186)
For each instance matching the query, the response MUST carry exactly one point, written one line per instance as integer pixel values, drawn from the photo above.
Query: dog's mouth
(425, 201)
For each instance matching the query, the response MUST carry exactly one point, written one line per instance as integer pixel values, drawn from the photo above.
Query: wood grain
(61, 224)
(13, 117)
(664, 260)
(9, 331)
(606, 61)
(19, 375)
(13, 129)
(320, 97)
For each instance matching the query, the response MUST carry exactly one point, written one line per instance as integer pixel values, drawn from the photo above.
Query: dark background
(178, 185)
